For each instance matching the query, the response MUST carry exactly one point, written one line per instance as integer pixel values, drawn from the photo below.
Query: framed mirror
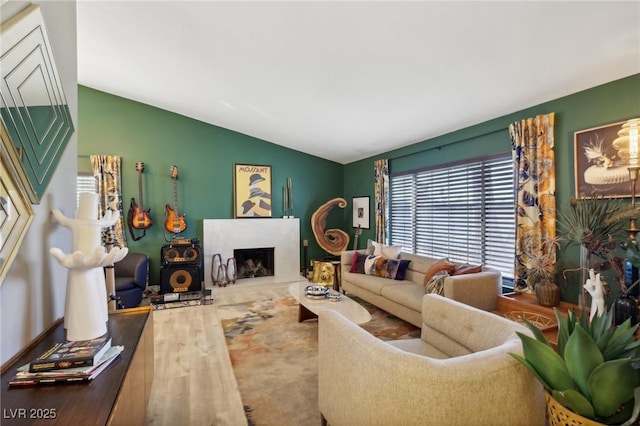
(15, 209)
(32, 103)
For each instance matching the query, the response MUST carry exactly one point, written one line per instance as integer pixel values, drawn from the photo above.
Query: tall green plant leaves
(548, 365)
(612, 384)
(582, 356)
(576, 402)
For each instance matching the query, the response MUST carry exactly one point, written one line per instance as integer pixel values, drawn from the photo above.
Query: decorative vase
(232, 270)
(221, 278)
(559, 415)
(216, 261)
(548, 293)
(584, 298)
(625, 306)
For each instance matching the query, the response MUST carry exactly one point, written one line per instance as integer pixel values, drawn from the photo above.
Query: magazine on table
(24, 377)
(70, 354)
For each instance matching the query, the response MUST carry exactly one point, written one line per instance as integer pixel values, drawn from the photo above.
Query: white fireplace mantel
(224, 235)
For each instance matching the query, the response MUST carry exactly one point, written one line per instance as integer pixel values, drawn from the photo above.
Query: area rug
(274, 357)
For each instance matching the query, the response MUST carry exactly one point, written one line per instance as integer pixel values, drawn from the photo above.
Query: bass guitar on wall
(139, 218)
(175, 222)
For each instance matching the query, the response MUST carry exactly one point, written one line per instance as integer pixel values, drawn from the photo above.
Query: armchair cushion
(132, 270)
(131, 275)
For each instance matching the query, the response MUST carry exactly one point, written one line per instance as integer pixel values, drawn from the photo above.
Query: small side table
(337, 277)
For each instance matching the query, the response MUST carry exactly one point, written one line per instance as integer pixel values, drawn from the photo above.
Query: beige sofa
(458, 373)
(404, 298)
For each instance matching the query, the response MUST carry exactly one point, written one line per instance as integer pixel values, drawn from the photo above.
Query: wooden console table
(118, 396)
(516, 304)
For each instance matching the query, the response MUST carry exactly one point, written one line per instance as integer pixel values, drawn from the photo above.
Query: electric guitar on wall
(175, 222)
(139, 218)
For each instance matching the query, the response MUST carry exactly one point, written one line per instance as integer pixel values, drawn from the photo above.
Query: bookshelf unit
(118, 396)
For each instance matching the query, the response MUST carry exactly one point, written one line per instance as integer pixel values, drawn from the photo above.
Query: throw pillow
(370, 247)
(467, 269)
(357, 265)
(387, 251)
(436, 283)
(369, 264)
(384, 267)
(440, 265)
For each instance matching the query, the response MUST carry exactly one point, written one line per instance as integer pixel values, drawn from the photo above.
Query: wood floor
(194, 382)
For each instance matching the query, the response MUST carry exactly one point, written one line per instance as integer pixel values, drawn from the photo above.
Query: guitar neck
(175, 198)
(140, 190)
(356, 238)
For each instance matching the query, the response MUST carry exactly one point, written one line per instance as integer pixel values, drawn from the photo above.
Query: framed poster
(252, 190)
(361, 212)
(600, 166)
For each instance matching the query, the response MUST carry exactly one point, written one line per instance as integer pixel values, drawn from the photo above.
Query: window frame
(407, 206)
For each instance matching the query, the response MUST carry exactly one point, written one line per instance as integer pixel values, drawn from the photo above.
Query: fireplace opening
(255, 262)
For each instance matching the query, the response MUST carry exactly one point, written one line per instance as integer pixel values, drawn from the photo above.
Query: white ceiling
(349, 80)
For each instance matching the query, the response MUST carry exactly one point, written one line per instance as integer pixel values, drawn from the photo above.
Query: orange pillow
(467, 269)
(440, 265)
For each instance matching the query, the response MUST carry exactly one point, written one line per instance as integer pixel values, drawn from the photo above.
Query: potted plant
(542, 270)
(594, 371)
(598, 225)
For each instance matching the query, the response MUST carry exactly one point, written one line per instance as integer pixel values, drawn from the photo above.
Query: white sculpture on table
(595, 288)
(86, 315)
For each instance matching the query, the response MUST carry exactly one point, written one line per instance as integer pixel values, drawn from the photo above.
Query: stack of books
(68, 362)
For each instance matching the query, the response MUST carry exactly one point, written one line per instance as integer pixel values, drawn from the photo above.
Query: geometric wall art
(33, 106)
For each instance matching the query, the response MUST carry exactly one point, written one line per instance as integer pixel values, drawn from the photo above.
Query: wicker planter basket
(559, 415)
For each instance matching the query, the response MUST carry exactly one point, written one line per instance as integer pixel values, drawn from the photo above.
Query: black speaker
(178, 278)
(172, 254)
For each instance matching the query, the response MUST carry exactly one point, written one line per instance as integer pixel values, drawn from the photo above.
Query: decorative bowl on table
(316, 291)
(334, 296)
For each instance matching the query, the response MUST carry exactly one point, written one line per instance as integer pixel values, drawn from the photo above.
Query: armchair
(458, 373)
(131, 275)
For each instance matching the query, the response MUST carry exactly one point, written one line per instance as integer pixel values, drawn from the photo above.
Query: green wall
(205, 155)
(615, 101)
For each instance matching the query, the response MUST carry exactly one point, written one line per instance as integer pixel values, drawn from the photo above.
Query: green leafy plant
(594, 372)
(600, 225)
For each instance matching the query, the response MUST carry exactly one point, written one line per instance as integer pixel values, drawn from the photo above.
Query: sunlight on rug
(274, 357)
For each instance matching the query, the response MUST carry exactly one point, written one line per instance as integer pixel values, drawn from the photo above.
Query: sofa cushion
(385, 267)
(436, 283)
(385, 250)
(441, 265)
(418, 347)
(419, 263)
(370, 283)
(405, 294)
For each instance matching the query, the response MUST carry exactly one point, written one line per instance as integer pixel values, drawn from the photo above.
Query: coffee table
(309, 308)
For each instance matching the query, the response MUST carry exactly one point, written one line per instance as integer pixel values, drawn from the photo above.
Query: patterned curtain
(106, 171)
(381, 170)
(532, 145)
